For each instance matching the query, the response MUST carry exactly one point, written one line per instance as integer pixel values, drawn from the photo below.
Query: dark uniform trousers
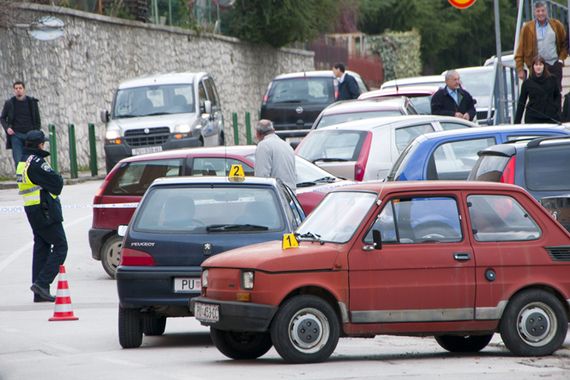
(50, 251)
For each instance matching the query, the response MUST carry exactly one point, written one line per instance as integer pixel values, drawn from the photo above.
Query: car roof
(349, 106)
(387, 187)
(472, 69)
(379, 122)
(510, 148)
(398, 91)
(425, 79)
(532, 128)
(234, 150)
(311, 74)
(167, 78)
(204, 180)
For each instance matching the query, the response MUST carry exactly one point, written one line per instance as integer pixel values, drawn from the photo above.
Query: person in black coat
(347, 86)
(543, 94)
(40, 187)
(452, 100)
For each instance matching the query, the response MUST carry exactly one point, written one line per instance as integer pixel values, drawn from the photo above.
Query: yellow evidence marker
(289, 241)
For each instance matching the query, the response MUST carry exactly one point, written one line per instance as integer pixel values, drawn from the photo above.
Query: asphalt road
(31, 347)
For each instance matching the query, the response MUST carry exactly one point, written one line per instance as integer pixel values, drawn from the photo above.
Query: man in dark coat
(20, 115)
(452, 100)
(40, 186)
(347, 86)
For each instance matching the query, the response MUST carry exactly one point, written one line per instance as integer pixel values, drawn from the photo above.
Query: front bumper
(238, 316)
(148, 287)
(96, 238)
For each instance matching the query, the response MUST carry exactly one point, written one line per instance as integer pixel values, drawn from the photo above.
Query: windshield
(154, 100)
(209, 210)
(327, 120)
(332, 145)
(302, 90)
(422, 104)
(337, 217)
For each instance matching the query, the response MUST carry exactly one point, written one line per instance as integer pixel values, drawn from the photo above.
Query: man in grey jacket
(274, 157)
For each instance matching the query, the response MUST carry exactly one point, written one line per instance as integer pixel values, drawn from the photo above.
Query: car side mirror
(377, 239)
(122, 230)
(105, 116)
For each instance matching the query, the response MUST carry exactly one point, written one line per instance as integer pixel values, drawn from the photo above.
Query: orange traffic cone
(63, 310)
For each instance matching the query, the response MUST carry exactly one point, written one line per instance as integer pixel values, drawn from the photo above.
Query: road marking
(28, 247)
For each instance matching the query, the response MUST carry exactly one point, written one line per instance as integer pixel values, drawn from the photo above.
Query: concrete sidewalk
(81, 177)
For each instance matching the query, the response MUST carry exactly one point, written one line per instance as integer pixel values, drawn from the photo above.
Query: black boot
(41, 294)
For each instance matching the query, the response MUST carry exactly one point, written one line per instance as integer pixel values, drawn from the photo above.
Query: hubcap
(309, 330)
(114, 254)
(537, 324)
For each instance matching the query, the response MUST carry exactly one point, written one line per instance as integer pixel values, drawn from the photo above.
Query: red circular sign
(462, 4)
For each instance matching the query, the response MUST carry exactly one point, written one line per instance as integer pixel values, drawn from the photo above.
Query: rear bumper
(238, 316)
(97, 237)
(147, 287)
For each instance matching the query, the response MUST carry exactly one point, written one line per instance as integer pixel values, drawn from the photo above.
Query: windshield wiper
(316, 182)
(310, 236)
(127, 116)
(290, 101)
(306, 184)
(327, 179)
(327, 159)
(157, 114)
(235, 227)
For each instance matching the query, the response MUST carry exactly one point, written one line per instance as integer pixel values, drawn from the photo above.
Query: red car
(456, 260)
(117, 198)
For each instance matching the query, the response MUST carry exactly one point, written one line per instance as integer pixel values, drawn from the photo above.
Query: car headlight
(247, 278)
(205, 278)
(182, 128)
(112, 134)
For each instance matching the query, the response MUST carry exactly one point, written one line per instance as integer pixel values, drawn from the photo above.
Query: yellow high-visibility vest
(27, 189)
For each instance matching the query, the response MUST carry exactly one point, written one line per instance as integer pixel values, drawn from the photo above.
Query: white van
(162, 112)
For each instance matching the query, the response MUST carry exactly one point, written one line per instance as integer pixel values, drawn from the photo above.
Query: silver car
(366, 149)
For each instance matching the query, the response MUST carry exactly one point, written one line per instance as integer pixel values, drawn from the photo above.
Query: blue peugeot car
(179, 223)
(450, 155)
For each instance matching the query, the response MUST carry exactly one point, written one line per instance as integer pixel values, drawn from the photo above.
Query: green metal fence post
(72, 152)
(236, 130)
(248, 128)
(53, 147)
(92, 150)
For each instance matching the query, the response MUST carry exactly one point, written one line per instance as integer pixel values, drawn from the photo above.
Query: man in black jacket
(452, 100)
(347, 86)
(40, 186)
(20, 115)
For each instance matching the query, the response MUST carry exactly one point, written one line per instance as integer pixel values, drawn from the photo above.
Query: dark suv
(293, 101)
(179, 223)
(539, 166)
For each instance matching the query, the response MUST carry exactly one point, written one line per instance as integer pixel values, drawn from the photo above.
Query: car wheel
(306, 329)
(534, 324)
(111, 254)
(467, 343)
(241, 345)
(153, 325)
(130, 328)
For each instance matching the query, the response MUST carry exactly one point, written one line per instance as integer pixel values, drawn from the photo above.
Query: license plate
(146, 149)
(206, 312)
(187, 285)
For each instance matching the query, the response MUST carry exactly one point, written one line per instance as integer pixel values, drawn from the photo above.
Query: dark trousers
(17, 142)
(50, 251)
(556, 71)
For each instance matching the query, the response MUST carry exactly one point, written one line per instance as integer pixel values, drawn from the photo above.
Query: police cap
(35, 137)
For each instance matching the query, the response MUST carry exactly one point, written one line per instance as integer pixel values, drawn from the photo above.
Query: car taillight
(132, 257)
(360, 166)
(266, 96)
(508, 175)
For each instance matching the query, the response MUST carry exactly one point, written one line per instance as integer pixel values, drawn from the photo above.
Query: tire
(241, 345)
(468, 343)
(130, 328)
(534, 324)
(111, 254)
(290, 334)
(438, 232)
(153, 325)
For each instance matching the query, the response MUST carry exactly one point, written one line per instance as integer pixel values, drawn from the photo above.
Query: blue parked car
(180, 222)
(450, 155)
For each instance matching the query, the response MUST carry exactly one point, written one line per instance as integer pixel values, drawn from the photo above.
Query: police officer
(40, 186)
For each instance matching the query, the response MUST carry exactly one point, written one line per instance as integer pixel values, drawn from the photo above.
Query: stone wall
(74, 76)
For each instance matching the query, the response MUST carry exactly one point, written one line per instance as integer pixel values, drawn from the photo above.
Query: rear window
(217, 166)
(135, 177)
(332, 145)
(303, 90)
(209, 210)
(422, 104)
(547, 167)
(489, 168)
(341, 118)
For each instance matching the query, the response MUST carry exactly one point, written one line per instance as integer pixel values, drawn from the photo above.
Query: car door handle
(462, 256)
